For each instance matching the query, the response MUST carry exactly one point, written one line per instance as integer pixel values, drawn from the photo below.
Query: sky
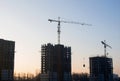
(26, 23)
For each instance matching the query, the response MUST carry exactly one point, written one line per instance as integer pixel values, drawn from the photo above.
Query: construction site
(56, 61)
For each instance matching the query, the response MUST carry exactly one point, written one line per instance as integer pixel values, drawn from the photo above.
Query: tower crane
(105, 45)
(61, 21)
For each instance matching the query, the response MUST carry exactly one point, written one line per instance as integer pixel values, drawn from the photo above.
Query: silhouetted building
(6, 60)
(55, 63)
(101, 69)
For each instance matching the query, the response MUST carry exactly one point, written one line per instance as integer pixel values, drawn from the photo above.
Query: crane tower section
(105, 46)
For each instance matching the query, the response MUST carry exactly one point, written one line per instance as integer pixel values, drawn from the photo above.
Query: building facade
(55, 63)
(6, 60)
(101, 68)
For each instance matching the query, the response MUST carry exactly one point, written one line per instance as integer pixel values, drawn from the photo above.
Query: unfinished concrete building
(101, 68)
(6, 60)
(55, 63)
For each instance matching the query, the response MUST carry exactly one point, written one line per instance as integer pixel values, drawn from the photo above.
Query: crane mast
(105, 46)
(61, 21)
(58, 30)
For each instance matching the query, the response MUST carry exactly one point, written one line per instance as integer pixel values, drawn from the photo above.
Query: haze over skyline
(26, 23)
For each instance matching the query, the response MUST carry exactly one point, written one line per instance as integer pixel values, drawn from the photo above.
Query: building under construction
(101, 68)
(55, 62)
(6, 60)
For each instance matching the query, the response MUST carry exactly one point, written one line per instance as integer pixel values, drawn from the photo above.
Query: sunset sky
(26, 23)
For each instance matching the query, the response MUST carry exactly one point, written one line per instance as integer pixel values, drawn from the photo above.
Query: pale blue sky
(26, 22)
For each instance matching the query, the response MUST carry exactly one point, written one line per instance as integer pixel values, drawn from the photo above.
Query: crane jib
(59, 21)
